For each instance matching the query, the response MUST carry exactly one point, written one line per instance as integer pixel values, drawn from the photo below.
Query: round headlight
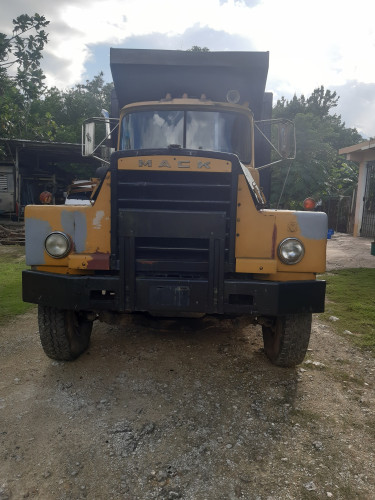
(291, 251)
(57, 245)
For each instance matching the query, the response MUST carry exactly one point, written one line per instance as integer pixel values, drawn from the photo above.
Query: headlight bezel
(293, 260)
(67, 243)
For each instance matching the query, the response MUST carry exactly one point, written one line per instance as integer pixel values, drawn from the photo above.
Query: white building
(364, 155)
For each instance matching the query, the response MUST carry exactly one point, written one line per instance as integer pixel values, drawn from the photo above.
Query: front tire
(287, 340)
(64, 335)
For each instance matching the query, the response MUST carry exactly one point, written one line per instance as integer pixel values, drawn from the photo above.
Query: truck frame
(177, 223)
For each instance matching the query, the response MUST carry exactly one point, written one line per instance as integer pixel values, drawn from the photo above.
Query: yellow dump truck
(176, 222)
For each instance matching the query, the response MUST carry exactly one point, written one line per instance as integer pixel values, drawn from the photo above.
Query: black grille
(193, 191)
(178, 192)
(169, 253)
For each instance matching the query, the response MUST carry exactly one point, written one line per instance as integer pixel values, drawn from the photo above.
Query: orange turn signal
(309, 204)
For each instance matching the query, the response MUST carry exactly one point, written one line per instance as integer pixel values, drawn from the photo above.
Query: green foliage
(64, 111)
(12, 262)
(23, 49)
(21, 78)
(351, 298)
(28, 110)
(318, 170)
(196, 48)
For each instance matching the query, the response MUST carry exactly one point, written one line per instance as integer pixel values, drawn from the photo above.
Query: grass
(12, 262)
(351, 298)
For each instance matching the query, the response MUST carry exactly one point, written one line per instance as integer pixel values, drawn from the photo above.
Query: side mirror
(107, 124)
(286, 140)
(88, 138)
(96, 136)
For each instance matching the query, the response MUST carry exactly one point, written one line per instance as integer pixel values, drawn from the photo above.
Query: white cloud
(357, 106)
(310, 43)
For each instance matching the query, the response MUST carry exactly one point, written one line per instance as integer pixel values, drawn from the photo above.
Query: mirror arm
(269, 142)
(270, 164)
(282, 157)
(100, 159)
(106, 137)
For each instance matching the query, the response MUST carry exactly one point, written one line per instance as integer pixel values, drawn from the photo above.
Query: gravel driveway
(345, 251)
(188, 409)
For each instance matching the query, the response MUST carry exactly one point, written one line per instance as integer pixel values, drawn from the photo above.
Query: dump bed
(148, 75)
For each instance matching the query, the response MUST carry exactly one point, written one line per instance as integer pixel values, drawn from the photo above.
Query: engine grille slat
(173, 184)
(127, 201)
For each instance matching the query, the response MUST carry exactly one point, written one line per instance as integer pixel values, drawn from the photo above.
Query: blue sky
(325, 42)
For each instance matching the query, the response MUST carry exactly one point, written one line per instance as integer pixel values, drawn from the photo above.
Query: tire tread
(294, 340)
(55, 337)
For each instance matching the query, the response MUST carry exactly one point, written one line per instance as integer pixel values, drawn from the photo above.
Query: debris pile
(12, 235)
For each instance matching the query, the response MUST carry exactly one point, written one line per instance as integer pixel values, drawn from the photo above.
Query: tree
(66, 110)
(196, 48)
(23, 50)
(318, 170)
(28, 109)
(21, 78)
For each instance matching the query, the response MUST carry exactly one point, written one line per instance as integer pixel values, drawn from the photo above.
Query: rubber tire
(64, 335)
(286, 342)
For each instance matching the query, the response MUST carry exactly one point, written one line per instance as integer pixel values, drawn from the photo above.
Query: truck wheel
(64, 334)
(286, 342)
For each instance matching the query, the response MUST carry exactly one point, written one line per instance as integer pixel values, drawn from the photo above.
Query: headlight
(57, 245)
(291, 251)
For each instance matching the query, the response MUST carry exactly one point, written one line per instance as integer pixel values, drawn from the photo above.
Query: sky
(311, 43)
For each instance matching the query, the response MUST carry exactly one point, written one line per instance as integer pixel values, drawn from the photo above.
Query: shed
(364, 155)
(29, 167)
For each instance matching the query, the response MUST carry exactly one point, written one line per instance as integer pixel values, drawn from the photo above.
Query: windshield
(207, 130)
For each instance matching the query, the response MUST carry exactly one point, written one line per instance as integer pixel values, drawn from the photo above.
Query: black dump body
(148, 75)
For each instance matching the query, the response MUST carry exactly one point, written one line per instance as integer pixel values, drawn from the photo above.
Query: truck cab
(177, 223)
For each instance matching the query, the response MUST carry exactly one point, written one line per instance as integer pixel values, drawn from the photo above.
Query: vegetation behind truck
(176, 224)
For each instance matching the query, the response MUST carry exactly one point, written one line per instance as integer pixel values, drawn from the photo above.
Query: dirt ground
(345, 251)
(193, 411)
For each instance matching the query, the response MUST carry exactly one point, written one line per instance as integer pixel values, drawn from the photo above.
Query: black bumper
(234, 296)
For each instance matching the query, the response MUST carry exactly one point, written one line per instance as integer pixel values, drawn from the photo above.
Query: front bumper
(233, 296)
